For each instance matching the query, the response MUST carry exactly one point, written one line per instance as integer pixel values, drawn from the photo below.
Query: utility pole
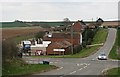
(72, 38)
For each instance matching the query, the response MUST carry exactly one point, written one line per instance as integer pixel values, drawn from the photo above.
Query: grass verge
(113, 53)
(100, 36)
(16, 67)
(114, 72)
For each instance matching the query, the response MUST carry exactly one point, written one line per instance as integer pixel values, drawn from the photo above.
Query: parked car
(102, 56)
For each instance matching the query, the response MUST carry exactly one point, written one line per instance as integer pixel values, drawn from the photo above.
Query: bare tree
(66, 22)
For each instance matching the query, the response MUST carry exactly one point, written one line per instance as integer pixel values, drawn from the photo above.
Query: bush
(88, 36)
(39, 35)
(9, 50)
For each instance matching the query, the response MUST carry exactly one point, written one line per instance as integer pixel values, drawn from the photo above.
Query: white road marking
(104, 70)
(115, 60)
(88, 64)
(60, 68)
(80, 68)
(93, 59)
(58, 60)
(78, 64)
(73, 72)
(51, 62)
(81, 64)
(62, 76)
(85, 67)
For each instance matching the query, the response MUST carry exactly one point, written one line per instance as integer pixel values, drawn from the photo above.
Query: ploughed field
(18, 32)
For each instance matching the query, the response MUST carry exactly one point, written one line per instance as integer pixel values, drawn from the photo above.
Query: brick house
(64, 45)
(62, 41)
(58, 39)
(78, 26)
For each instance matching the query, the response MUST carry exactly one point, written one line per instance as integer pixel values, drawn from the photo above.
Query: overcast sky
(57, 10)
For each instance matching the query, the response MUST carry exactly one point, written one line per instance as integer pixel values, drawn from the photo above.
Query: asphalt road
(85, 66)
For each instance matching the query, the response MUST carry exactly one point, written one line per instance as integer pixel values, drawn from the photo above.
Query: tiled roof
(62, 36)
(63, 44)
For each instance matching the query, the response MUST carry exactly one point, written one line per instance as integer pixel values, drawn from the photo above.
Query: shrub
(9, 50)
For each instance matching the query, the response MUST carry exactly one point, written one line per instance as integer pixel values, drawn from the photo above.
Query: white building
(39, 49)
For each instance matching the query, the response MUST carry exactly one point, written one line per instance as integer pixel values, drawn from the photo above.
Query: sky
(57, 10)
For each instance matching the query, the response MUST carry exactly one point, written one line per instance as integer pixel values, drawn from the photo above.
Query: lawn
(86, 51)
(113, 53)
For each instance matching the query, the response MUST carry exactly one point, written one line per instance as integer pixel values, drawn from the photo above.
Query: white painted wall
(44, 44)
(80, 38)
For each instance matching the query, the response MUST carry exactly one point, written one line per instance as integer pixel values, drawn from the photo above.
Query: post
(63, 53)
(72, 39)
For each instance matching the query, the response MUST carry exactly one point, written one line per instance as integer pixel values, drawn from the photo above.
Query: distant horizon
(57, 20)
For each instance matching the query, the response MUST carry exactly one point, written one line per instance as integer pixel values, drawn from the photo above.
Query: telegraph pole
(72, 38)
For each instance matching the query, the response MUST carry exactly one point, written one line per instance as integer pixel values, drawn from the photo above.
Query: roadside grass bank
(100, 37)
(17, 67)
(13, 66)
(114, 53)
(114, 72)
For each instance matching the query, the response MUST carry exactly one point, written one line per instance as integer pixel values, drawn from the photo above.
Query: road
(84, 66)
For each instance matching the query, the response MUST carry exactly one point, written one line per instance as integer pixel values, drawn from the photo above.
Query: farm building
(36, 48)
(39, 49)
(111, 23)
(59, 48)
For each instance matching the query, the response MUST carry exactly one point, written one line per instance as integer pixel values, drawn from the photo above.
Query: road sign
(59, 50)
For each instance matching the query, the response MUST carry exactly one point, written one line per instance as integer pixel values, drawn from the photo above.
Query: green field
(86, 51)
(29, 24)
(13, 24)
(113, 53)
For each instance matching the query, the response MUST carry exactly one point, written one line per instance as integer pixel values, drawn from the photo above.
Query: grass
(100, 36)
(113, 53)
(86, 51)
(114, 72)
(16, 67)
(25, 24)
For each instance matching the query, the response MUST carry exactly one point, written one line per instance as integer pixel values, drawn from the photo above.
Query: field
(29, 24)
(8, 33)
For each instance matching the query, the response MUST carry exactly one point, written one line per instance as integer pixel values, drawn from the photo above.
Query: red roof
(63, 44)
